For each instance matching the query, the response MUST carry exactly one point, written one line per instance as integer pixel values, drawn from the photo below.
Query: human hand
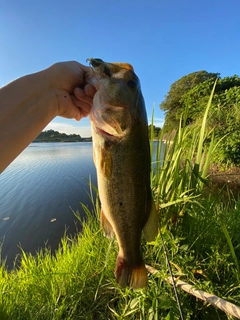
(74, 96)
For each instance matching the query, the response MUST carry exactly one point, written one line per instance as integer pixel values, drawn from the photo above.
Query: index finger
(84, 68)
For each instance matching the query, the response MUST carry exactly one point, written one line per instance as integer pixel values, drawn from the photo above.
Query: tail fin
(134, 277)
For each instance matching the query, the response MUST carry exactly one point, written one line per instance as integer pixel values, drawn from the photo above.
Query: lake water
(39, 192)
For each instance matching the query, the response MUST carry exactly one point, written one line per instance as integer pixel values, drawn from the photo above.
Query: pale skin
(29, 103)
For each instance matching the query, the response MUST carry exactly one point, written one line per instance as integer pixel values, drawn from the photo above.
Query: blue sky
(163, 40)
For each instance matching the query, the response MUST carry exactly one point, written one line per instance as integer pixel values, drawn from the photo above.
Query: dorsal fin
(124, 65)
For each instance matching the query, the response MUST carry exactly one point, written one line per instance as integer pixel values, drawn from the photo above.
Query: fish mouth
(101, 65)
(104, 132)
(107, 120)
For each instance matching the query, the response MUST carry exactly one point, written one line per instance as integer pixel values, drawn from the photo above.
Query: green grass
(73, 284)
(200, 232)
(78, 282)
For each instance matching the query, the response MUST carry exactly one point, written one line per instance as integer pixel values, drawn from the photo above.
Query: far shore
(66, 140)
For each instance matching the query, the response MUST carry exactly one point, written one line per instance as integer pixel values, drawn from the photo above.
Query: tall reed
(180, 166)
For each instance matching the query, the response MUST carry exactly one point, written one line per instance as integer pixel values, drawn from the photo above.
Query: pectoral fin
(106, 162)
(106, 226)
(150, 229)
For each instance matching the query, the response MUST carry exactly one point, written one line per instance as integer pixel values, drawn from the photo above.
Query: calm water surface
(45, 183)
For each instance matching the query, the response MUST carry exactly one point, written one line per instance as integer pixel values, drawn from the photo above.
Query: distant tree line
(156, 131)
(192, 93)
(55, 136)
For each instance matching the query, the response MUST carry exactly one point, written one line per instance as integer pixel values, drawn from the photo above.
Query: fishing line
(172, 277)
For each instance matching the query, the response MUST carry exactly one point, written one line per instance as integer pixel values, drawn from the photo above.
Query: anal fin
(106, 226)
(150, 229)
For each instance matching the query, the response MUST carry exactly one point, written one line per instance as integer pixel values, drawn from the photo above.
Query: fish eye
(132, 84)
(107, 71)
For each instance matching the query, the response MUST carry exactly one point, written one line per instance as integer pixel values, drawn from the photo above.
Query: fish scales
(122, 159)
(126, 191)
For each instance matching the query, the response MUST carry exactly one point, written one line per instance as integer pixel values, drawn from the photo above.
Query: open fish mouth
(107, 127)
(103, 68)
(111, 121)
(102, 132)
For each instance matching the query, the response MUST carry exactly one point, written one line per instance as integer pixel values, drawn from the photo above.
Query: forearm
(27, 105)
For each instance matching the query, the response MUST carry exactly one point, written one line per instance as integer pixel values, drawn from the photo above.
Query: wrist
(56, 76)
(46, 96)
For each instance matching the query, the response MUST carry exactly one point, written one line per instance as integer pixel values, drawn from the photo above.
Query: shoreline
(66, 140)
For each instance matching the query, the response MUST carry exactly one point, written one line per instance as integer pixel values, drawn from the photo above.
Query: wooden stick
(215, 301)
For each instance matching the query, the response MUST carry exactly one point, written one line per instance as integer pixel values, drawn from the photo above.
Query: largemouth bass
(122, 158)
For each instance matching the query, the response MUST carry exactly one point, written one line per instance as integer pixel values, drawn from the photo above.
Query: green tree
(173, 100)
(224, 115)
(197, 97)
